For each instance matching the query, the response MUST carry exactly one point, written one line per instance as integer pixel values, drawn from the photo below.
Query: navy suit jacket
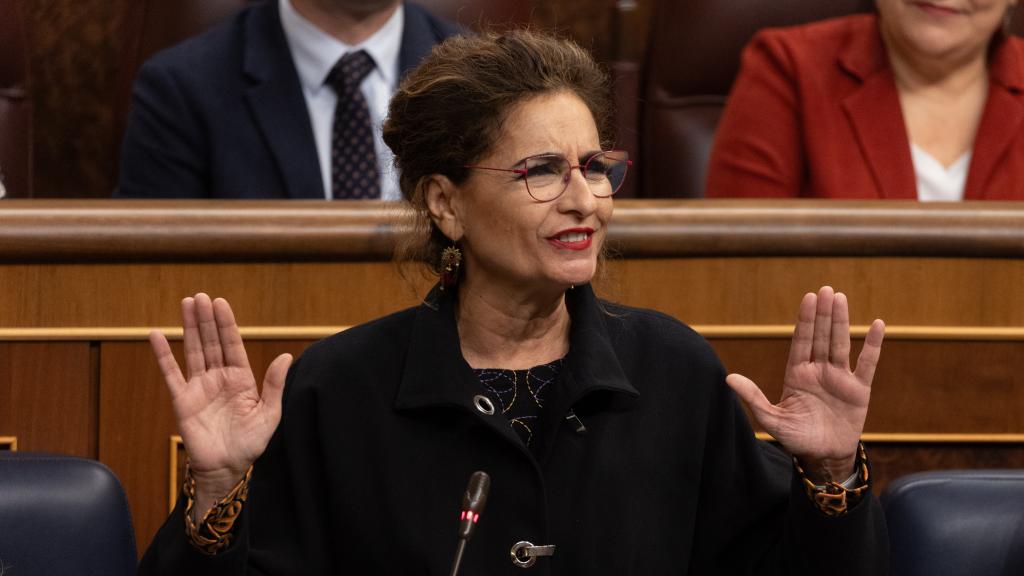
(222, 115)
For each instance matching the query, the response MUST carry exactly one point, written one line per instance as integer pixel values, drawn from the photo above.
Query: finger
(165, 359)
(822, 325)
(800, 348)
(212, 352)
(273, 382)
(839, 352)
(230, 338)
(869, 354)
(759, 405)
(194, 360)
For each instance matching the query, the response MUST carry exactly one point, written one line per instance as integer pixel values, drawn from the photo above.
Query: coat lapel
(435, 374)
(592, 361)
(1002, 119)
(278, 106)
(874, 111)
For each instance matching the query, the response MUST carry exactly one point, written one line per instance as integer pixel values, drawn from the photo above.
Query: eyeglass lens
(547, 176)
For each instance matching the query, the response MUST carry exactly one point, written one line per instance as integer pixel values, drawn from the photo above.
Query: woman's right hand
(224, 422)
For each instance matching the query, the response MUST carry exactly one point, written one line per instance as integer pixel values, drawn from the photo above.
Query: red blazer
(814, 113)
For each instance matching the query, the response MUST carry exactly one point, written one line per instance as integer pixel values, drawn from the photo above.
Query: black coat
(379, 435)
(222, 115)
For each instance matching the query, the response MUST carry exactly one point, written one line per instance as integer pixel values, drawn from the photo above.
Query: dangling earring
(451, 258)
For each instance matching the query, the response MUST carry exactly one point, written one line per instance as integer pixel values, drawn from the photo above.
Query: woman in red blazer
(872, 106)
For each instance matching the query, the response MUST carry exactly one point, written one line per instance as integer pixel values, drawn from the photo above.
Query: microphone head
(473, 502)
(475, 497)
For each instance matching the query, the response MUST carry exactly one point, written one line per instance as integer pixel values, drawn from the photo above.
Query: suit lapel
(277, 104)
(874, 112)
(418, 38)
(1002, 119)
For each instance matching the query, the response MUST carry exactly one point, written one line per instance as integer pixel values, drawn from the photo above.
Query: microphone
(473, 502)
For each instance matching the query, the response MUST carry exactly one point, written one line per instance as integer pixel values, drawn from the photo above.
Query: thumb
(273, 382)
(752, 396)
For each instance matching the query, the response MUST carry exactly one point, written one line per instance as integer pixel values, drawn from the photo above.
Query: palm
(824, 402)
(221, 408)
(223, 420)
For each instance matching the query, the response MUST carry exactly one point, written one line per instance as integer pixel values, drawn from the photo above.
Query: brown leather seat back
(693, 56)
(15, 103)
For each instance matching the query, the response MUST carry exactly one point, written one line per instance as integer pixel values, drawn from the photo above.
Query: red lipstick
(573, 238)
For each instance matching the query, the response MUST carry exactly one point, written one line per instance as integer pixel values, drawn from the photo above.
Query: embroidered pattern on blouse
(519, 394)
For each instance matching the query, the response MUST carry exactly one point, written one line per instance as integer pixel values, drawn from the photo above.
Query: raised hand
(824, 403)
(222, 418)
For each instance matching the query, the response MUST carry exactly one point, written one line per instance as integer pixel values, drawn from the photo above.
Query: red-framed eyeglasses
(547, 175)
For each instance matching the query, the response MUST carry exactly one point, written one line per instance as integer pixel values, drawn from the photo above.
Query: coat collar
(277, 104)
(435, 373)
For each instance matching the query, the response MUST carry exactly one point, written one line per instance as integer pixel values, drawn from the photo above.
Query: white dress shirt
(315, 52)
(938, 183)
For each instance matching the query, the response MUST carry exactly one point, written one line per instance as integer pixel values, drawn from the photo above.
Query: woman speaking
(613, 438)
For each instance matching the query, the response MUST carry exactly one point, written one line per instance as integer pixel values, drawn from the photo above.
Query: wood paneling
(48, 397)
(275, 231)
(925, 387)
(143, 295)
(935, 292)
(890, 461)
(317, 263)
(137, 422)
(767, 290)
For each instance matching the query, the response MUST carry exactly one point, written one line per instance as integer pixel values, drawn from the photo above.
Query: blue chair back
(63, 516)
(968, 522)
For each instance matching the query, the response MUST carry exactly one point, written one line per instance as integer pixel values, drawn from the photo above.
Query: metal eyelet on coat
(524, 554)
(483, 404)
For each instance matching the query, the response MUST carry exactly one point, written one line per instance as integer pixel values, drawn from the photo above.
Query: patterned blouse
(519, 395)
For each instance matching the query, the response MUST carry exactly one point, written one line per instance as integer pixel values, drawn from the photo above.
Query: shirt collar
(315, 52)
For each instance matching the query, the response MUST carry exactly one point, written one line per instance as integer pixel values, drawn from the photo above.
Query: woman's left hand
(824, 403)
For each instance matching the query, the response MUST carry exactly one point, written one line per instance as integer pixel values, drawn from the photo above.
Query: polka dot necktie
(354, 171)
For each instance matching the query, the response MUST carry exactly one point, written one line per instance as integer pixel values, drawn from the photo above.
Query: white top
(935, 182)
(315, 52)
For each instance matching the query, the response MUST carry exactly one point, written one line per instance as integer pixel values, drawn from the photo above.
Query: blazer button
(524, 554)
(483, 404)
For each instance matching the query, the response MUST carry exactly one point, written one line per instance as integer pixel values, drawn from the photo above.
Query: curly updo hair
(449, 112)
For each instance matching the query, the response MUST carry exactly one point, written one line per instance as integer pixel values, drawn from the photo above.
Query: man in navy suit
(245, 110)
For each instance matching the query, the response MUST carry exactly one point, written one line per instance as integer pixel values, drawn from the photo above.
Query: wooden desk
(84, 281)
